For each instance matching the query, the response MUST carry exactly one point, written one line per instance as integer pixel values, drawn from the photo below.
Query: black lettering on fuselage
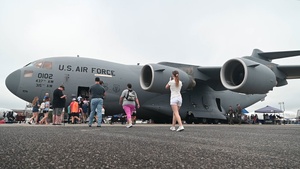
(81, 69)
(61, 67)
(45, 75)
(99, 71)
(85, 69)
(69, 68)
(103, 71)
(65, 68)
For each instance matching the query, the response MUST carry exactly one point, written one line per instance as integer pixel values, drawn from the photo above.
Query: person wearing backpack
(128, 100)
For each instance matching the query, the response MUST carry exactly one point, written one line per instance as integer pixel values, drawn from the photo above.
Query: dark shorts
(35, 110)
(74, 114)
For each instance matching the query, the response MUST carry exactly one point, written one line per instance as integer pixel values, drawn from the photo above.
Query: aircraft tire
(215, 121)
(204, 121)
(196, 120)
(189, 119)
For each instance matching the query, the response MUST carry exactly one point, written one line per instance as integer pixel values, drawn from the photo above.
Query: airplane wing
(291, 71)
(206, 73)
(211, 77)
(212, 73)
(275, 55)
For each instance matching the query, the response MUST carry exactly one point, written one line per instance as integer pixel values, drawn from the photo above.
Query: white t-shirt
(175, 90)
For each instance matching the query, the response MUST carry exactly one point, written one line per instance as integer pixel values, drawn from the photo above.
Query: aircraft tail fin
(269, 56)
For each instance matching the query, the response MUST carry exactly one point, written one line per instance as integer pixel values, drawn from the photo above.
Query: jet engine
(154, 78)
(247, 76)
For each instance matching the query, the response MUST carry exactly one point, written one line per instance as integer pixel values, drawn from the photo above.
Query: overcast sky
(198, 32)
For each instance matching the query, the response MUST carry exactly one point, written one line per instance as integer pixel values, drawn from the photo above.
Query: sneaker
(172, 128)
(129, 126)
(180, 128)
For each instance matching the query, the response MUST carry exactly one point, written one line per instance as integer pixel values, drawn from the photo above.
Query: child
(75, 110)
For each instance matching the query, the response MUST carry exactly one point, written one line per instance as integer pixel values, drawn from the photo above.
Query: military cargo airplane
(207, 91)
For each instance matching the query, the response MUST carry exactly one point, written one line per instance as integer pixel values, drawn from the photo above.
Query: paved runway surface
(149, 146)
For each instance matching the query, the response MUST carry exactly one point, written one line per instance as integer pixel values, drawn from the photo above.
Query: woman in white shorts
(175, 100)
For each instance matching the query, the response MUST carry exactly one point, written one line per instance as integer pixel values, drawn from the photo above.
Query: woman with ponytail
(35, 110)
(175, 99)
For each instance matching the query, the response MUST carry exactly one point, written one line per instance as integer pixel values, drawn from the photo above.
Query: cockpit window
(40, 64)
(28, 73)
(47, 65)
(29, 64)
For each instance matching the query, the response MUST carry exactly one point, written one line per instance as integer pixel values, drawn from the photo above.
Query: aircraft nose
(13, 80)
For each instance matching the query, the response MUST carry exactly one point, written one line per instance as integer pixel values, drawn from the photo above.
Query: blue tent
(268, 109)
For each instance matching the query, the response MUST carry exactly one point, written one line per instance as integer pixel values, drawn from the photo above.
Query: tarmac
(149, 146)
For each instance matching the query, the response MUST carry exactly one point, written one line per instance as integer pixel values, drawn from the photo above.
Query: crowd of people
(82, 109)
(236, 116)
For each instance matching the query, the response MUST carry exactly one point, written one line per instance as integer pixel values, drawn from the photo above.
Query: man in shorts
(58, 104)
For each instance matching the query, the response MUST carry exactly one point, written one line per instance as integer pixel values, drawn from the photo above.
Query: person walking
(97, 93)
(58, 104)
(175, 85)
(46, 111)
(128, 99)
(35, 110)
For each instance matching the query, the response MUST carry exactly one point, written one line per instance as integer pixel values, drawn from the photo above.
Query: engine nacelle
(154, 78)
(246, 76)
